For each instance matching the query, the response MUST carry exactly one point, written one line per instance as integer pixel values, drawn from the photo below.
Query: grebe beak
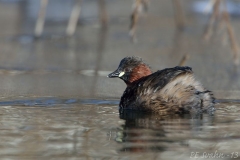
(116, 73)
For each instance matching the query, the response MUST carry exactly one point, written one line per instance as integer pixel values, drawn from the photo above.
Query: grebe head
(131, 69)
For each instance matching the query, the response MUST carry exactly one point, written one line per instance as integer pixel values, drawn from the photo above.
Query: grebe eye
(127, 70)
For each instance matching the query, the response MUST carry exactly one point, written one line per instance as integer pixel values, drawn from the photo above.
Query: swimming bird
(171, 90)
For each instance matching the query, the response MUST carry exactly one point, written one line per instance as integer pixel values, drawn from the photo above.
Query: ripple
(51, 101)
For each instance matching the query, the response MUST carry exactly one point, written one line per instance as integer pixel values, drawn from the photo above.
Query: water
(56, 102)
(57, 128)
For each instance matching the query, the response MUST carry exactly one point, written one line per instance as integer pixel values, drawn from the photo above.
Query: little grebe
(171, 90)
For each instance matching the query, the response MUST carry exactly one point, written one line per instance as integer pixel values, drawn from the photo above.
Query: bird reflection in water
(150, 132)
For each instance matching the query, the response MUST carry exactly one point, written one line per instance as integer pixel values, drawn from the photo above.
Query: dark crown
(131, 62)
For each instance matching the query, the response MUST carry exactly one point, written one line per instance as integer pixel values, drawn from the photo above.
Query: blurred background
(57, 103)
(67, 48)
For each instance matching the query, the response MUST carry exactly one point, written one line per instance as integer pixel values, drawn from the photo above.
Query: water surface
(62, 128)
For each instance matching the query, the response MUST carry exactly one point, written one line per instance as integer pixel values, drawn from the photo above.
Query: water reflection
(84, 128)
(100, 52)
(153, 132)
(175, 136)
